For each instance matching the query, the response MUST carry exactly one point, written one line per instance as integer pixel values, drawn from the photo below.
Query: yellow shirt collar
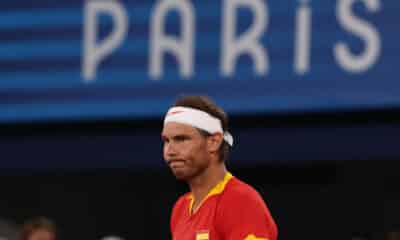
(217, 189)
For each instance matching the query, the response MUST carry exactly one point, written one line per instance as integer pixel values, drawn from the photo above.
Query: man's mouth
(176, 163)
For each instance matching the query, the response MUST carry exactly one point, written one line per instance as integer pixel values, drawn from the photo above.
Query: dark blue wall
(324, 176)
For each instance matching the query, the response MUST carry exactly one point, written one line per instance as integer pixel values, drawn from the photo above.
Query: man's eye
(181, 138)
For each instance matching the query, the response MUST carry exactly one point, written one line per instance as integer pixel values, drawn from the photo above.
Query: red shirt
(232, 210)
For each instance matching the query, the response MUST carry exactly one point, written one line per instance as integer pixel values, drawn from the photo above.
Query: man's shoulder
(179, 208)
(240, 191)
(182, 200)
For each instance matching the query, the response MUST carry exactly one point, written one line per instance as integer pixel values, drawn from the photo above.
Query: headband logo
(174, 112)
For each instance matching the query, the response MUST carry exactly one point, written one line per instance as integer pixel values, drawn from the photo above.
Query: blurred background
(310, 88)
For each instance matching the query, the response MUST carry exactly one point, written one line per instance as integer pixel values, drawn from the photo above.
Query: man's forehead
(173, 128)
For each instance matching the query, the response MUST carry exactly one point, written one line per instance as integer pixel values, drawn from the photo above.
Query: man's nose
(170, 150)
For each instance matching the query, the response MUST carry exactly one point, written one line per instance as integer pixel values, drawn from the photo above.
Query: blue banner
(96, 59)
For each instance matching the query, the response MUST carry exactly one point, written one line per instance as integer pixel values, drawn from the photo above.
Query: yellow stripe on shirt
(253, 237)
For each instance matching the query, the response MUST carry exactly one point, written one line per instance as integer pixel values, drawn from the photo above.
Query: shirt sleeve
(172, 220)
(177, 212)
(174, 214)
(245, 217)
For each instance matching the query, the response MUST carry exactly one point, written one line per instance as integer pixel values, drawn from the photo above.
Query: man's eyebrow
(181, 135)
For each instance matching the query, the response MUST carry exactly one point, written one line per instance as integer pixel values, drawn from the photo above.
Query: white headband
(198, 119)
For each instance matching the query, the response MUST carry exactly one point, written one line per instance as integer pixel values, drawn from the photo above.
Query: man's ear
(214, 142)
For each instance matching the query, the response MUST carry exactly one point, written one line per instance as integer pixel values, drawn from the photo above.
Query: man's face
(185, 150)
(42, 234)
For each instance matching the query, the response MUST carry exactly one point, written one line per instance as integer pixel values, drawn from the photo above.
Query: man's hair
(205, 104)
(37, 223)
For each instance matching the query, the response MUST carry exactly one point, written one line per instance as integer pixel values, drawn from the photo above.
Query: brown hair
(37, 223)
(205, 104)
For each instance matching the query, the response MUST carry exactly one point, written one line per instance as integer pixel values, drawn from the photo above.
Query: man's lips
(176, 163)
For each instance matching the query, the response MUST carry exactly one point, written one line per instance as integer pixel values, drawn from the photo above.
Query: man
(219, 206)
(39, 228)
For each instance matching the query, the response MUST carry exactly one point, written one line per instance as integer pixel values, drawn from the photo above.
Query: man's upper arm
(246, 217)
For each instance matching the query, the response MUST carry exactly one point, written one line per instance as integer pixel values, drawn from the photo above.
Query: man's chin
(181, 175)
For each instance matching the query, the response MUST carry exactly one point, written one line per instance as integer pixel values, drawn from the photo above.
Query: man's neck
(202, 185)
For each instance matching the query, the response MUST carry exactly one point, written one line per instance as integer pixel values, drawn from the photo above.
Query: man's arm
(245, 216)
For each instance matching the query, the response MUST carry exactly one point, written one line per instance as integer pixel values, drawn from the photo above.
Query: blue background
(41, 53)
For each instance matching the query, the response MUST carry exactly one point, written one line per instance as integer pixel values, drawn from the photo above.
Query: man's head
(39, 228)
(195, 136)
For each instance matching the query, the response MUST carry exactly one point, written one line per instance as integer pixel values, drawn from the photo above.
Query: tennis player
(219, 206)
